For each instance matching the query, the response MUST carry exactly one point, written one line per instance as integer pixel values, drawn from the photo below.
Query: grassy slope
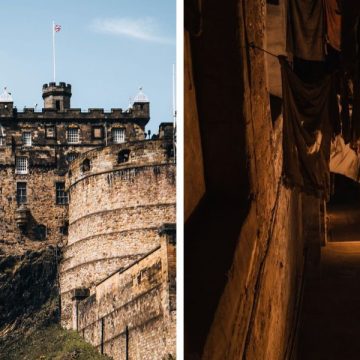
(53, 343)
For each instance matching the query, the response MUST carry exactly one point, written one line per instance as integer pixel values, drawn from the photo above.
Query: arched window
(123, 156)
(86, 165)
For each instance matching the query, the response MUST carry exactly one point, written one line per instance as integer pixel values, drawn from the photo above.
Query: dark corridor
(330, 321)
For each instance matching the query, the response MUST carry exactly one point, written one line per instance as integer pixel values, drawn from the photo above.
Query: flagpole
(53, 35)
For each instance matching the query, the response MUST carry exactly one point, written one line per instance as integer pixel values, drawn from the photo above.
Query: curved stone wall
(115, 212)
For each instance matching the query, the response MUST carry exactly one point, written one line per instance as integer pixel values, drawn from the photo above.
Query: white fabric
(343, 159)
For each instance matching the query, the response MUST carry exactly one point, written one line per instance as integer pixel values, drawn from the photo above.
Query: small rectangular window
(50, 132)
(61, 194)
(118, 135)
(21, 196)
(71, 157)
(97, 132)
(2, 141)
(64, 229)
(40, 232)
(21, 165)
(26, 138)
(73, 136)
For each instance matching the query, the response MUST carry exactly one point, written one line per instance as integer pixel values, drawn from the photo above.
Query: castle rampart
(119, 197)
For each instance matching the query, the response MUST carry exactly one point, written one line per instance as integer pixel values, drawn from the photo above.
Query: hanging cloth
(343, 159)
(305, 29)
(310, 111)
(333, 23)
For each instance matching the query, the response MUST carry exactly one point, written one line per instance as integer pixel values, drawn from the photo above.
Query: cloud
(145, 29)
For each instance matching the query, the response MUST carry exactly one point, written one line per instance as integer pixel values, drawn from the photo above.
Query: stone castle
(93, 184)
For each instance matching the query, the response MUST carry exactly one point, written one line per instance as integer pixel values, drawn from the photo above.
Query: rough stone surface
(132, 311)
(194, 181)
(121, 195)
(115, 214)
(27, 282)
(48, 161)
(255, 315)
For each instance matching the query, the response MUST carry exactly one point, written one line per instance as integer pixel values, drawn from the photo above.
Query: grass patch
(51, 343)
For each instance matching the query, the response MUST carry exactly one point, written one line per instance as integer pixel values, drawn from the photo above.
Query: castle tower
(6, 100)
(141, 102)
(57, 96)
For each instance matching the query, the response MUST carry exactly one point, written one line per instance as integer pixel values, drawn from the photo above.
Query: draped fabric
(310, 111)
(333, 23)
(343, 159)
(356, 80)
(305, 29)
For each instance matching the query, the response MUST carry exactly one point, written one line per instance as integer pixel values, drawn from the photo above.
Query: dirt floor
(330, 321)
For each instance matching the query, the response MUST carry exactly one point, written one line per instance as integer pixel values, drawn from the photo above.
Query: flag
(57, 28)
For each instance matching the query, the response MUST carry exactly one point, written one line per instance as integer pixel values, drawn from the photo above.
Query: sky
(106, 50)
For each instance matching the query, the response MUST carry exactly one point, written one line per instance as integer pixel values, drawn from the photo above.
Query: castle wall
(49, 156)
(115, 212)
(43, 210)
(194, 182)
(131, 311)
(251, 312)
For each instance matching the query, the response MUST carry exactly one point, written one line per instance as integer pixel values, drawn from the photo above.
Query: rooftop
(6, 96)
(141, 97)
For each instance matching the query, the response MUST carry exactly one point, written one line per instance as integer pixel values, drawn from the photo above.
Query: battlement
(61, 86)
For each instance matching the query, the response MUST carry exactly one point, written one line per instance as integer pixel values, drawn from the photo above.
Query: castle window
(118, 135)
(40, 232)
(64, 230)
(57, 104)
(73, 136)
(123, 156)
(86, 165)
(170, 151)
(21, 165)
(61, 195)
(71, 157)
(26, 138)
(50, 132)
(97, 132)
(2, 141)
(21, 196)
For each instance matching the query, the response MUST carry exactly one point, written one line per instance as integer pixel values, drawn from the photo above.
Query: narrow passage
(330, 319)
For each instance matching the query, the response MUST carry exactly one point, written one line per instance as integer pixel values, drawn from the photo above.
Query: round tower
(56, 97)
(120, 196)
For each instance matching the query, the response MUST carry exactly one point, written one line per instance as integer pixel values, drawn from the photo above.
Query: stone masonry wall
(256, 315)
(115, 212)
(130, 312)
(41, 202)
(48, 161)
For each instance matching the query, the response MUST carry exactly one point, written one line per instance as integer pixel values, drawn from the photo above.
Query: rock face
(27, 282)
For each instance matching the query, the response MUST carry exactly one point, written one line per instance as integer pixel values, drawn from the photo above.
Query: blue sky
(106, 49)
